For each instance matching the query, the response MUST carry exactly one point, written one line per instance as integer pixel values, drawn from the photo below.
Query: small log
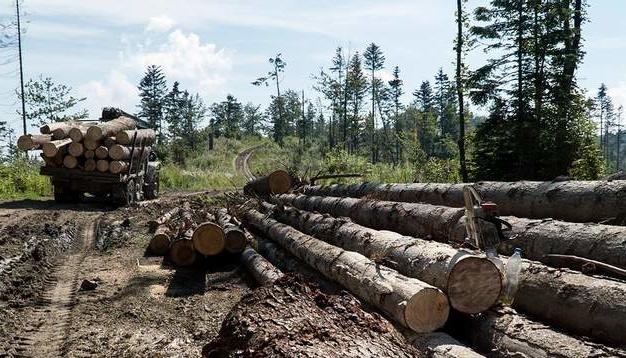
(76, 149)
(90, 165)
(109, 142)
(33, 141)
(164, 219)
(120, 152)
(145, 136)
(70, 161)
(89, 154)
(102, 152)
(410, 302)
(182, 252)
(49, 127)
(585, 265)
(52, 148)
(110, 128)
(102, 165)
(77, 134)
(208, 238)
(91, 144)
(233, 234)
(261, 270)
(161, 241)
(277, 182)
(117, 166)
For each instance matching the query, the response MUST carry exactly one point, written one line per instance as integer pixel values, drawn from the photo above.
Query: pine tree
(172, 108)
(356, 89)
(374, 61)
(395, 86)
(278, 67)
(152, 90)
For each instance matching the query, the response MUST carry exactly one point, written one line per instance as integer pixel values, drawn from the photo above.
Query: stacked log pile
(400, 248)
(105, 147)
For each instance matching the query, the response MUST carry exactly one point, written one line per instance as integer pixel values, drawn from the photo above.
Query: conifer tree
(152, 91)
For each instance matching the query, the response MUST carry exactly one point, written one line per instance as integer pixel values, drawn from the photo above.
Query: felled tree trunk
(110, 128)
(90, 165)
(102, 152)
(235, 239)
(70, 161)
(208, 238)
(277, 182)
(77, 134)
(33, 141)
(505, 333)
(166, 218)
(91, 144)
(89, 154)
(182, 252)
(120, 152)
(576, 201)
(473, 284)
(76, 149)
(52, 148)
(145, 136)
(49, 127)
(262, 270)
(117, 167)
(421, 220)
(102, 165)
(411, 302)
(161, 240)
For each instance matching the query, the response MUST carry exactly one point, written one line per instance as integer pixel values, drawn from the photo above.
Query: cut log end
(76, 149)
(95, 133)
(70, 162)
(77, 134)
(235, 241)
(25, 142)
(427, 310)
(208, 238)
(474, 285)
(279, 182)
(102, 165)
(160, 244)
(182, 253)
(90, 165)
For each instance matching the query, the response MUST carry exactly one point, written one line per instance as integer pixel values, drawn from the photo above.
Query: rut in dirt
(47, 326)
(241, 162)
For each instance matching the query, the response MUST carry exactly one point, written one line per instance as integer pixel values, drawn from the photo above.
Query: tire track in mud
(47, 326)
(241, 162)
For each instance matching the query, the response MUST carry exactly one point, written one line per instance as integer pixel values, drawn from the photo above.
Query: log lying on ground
(90, 165)
(473, 284)
(208, 238)
(261, 270)
(420, 220)
(160, 242)
(77, 134)
(277, 182)
(412, 303)
(505, 333)
(538, 238)
(145, 136)
(102, 152)
(110, 128)
(33, 141)
(52, 148)
(102, 165)
(117, 166)
(182, 252)
(70, 161)
(235, 238)
(76, 149)
(575, 201)
(163, 219)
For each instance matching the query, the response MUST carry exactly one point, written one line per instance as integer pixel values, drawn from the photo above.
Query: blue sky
(101, 48)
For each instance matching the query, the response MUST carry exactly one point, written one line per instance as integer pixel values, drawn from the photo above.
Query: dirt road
(241, 162)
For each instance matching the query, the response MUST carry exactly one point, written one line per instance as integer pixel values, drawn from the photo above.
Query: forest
(518, 115)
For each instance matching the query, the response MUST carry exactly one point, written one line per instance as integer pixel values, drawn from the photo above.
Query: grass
(20, 179)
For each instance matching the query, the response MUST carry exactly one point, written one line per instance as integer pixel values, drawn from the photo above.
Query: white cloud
(618, 94)
(160, 24)
(54, 31)
(116, 91)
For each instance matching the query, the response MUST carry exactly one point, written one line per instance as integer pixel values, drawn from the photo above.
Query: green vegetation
(20, 179)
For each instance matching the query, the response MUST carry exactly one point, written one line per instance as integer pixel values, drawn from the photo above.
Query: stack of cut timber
(184, 236)
(104, 147)
(277, 182)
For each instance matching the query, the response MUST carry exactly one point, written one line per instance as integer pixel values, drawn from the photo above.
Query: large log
(234, 236)
(208, 238)
(52, 148)
(120, 152)
(473, 284)
(32, 141)
(110, 128)
(50, 127)
(277, 182)
(576, 201)
(421, 220)
(412, 303)
(109, 142)
(161, 240)
(261, 270)
(505, 333)
(102, 152)
(145, 136)
(76, 149)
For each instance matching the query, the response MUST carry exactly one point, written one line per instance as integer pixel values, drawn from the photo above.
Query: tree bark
(120, 152)
(277, 182)
(235, 238)
(147, 136)
(261, 270)
(32, 141)
(110, 128)
(472, 284)
(575, 201)
(49, 127)
(410, 302)
(208, 238)
(52, 148)
(505, 333)
(421, 220)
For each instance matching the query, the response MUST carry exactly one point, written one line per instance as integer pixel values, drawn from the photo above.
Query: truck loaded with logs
(111, 158)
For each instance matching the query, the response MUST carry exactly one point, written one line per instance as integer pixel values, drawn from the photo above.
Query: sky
(218, 47)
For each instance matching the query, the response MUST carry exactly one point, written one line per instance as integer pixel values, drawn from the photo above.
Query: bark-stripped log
(161, 241)
(421, 220)
(505, 333)
(102, 165)
(473, 284)
(32, 141)
(77, 134)
(145, 136)
(70, 161)
(182, 252)
(91, 144)
(52, 148)
(90, 165)
(110, 128)
(235, 239)
(412, 303)
(576, 201)
(538, 238)
(261, 270)
(208, 238)
(117, 166)
(102, 152)
(277, 182)
(440, 345)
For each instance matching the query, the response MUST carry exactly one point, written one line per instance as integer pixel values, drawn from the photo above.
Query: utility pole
(620, 111)
(303, 121)
(19, 47)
